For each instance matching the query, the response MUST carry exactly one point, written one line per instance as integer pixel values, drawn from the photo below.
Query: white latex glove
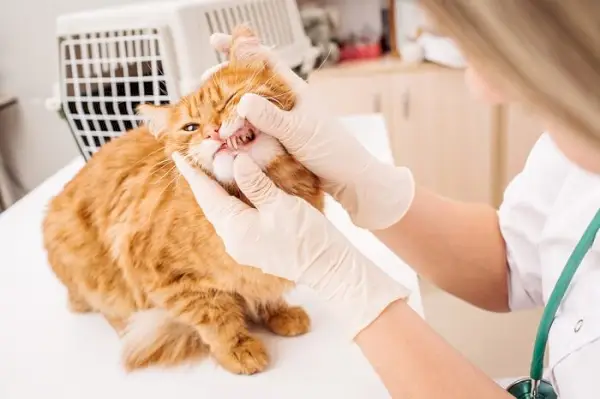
(374, 193)
(287, 237)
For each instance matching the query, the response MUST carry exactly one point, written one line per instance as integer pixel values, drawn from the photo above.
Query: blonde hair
(545, 53)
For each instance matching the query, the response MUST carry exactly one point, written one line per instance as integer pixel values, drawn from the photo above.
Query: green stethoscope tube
(535, 387)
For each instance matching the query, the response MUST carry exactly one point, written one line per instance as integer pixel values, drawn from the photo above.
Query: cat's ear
(155, 117)
(246, 48)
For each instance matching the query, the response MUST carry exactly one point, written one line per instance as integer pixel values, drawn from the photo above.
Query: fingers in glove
(252, 181)
(221, 42)
(216, 203)
(267, 117)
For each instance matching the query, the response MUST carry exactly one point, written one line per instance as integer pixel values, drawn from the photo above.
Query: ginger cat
(128, 240)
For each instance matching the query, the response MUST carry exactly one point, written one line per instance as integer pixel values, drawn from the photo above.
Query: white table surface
(48, 352)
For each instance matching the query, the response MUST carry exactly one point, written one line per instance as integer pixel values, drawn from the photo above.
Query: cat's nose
(214, 134)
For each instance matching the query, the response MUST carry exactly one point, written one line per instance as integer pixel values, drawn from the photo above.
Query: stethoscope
(534, 387)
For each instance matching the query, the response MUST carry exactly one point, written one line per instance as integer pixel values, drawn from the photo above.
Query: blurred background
(368, 57)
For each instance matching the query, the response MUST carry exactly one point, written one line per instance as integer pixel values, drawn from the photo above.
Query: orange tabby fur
(127, 239)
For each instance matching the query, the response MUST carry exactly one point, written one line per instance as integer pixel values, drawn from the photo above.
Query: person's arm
(414, 362)
(303, 246)
(458, 246)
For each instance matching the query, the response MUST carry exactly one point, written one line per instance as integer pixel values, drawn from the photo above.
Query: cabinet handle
(406, 104)
(377, 103)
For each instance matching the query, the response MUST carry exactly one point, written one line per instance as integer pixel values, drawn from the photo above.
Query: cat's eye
(190, 127)
(231, 97)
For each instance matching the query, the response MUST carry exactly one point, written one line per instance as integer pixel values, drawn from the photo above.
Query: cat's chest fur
(180, 241)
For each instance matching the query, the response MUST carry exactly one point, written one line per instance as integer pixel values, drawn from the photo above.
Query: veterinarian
(543, 54)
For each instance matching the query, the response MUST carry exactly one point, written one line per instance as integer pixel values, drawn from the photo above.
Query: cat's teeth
(247, 138)
(234, 142)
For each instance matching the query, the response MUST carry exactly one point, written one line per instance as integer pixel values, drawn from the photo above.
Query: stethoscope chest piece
(523, 389)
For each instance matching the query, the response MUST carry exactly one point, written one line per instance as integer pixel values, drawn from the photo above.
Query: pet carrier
(113, 59)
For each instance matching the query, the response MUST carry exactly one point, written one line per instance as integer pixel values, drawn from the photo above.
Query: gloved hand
(375, 194)
(287, 237)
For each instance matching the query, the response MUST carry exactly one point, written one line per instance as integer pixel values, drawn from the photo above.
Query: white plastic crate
(113, 59)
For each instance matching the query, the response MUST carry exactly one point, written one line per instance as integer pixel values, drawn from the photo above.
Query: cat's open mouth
(240, 140)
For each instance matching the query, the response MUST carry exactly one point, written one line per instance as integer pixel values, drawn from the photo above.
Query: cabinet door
(520, 134)
(350, 94)
(444, 135)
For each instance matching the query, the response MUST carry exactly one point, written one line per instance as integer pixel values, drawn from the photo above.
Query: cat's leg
(76, 302)
(220, 320)
(283, 319)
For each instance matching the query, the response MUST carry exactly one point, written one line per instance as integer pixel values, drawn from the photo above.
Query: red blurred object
(360, 51)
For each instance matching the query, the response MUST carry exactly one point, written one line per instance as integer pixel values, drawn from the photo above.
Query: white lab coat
(545, 211)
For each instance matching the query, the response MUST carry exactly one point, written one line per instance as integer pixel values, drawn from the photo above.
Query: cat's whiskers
(160, 196)
(152, 153)
(285, 93)
(165, 174)
(250, 82)
(154, 173)
(324, 60)
(168, 161)
(273, 76)
(158, 167)
(164, 161)
(152, 66)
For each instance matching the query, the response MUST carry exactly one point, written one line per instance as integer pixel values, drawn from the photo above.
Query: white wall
(34, 142)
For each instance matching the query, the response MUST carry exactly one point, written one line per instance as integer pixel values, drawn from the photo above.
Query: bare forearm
(414, 362)
(457, 246)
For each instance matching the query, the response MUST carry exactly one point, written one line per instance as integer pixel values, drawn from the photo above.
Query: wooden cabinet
(443, 135)
(349, 95)
(454, 145)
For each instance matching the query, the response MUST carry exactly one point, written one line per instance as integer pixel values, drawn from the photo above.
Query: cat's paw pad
(289, 322)
(247, 356)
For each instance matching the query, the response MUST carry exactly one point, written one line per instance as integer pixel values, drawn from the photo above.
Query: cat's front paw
(247, 356)
(289, 321)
